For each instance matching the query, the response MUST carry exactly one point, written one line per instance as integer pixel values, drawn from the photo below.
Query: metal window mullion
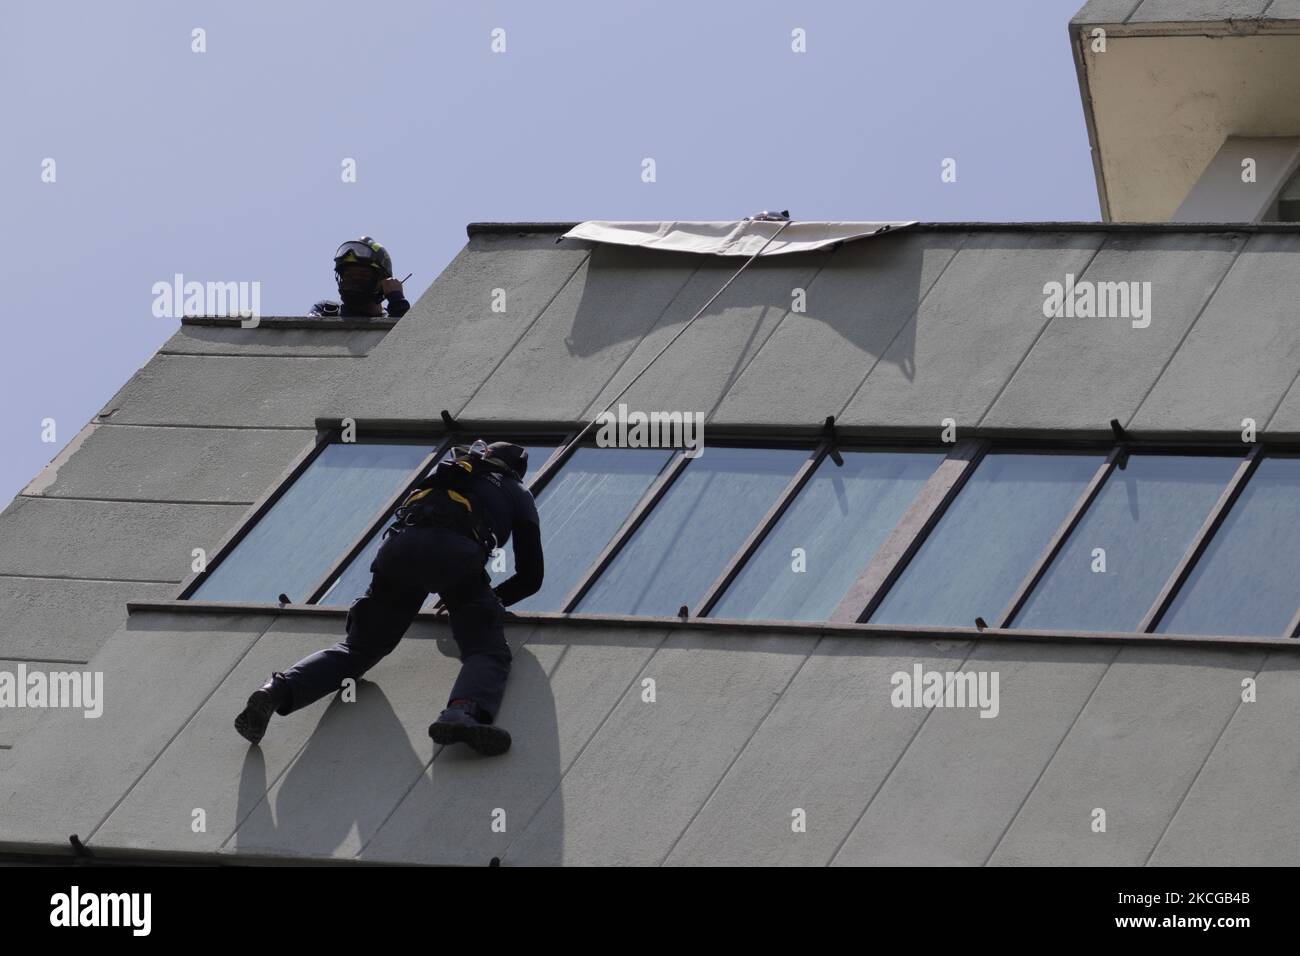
(913, 528)
(1058, 540)
(628, 528)
(762, 529)
(258, 511)
(377, 522)
(1207, 531)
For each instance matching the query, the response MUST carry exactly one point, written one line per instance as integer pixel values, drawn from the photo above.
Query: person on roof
(439, 543)
(363, 271)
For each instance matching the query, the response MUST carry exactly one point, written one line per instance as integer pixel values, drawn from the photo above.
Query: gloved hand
(440, 605)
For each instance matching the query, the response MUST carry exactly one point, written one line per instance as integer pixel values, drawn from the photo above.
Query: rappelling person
(439, 543)
(363, 271)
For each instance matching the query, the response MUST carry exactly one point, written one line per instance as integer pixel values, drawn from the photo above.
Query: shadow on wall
(865, 292)
(359, 788)
(891, 302)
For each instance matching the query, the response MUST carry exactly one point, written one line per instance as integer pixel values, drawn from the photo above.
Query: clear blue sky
(225, 165)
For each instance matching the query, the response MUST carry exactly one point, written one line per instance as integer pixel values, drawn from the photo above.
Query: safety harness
(446, 498)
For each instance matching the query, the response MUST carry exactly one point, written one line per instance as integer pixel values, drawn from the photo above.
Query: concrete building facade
(703, 739)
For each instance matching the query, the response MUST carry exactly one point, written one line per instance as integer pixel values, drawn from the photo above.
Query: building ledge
(722, 625)
(291, 322)
(544, 228)
(59, 854)
(1210, 27)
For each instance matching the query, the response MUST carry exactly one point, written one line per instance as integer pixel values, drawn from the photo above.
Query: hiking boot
(262, 703)
(454, 726)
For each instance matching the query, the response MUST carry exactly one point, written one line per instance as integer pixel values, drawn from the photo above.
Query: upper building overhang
(1165, 82)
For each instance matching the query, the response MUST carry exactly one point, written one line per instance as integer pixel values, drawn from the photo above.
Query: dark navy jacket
(508, 510)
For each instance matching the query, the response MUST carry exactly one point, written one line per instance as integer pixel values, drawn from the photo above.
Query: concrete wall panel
(964, 777)
(209, 766)
(70, 770)
(953, 358)
(144, 463)
(242, 392)
(1134, 752)
(1242, 354)
(1241, 811)
(114, 540)
(451, 340)
(1082, 372)
(634, 789)
(16, 721)
(66, 619)
(220, 340)
(699, 368)
(830, 773)
(810, 366)
(586, 334)
(563, 685)
(361, 758)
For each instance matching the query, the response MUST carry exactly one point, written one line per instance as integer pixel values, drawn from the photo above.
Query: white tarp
(728, 238)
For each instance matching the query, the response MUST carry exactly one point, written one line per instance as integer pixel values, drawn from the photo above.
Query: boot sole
(485, 739)
(252, 720)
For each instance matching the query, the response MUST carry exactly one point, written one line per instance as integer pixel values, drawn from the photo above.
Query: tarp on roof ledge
(728, 238)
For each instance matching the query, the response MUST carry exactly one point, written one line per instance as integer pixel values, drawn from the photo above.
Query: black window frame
(883, 570)
(439, 441)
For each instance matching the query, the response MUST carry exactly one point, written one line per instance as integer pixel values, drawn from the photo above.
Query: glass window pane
(687, 539)
(313, 522)
(354, 580)
(581, 509)
(839, 519)
(987, 540)
(1248, 580)
(1144, 519)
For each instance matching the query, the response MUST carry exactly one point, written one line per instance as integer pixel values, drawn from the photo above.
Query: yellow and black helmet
(365, 252)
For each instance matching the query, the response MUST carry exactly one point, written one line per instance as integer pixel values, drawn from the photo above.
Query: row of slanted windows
(1126, 539)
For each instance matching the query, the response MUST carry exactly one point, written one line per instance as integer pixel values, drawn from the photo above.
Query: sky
(227, 164)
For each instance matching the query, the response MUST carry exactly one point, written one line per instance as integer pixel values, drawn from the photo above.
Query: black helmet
(362, 252)
(514, 457)
(503, 454)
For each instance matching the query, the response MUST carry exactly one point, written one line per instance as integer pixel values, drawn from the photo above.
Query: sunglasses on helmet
(356, 252)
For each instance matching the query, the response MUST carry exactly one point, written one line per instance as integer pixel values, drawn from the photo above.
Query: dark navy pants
(409, 566)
